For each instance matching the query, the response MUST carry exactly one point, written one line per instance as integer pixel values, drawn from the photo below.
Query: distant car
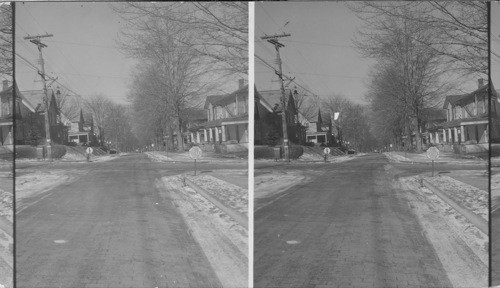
(113, 151)
(350, 151)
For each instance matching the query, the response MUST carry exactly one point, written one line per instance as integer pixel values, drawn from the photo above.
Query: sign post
(195, 153)
(433, 154)
(326, 151)
(89, 152)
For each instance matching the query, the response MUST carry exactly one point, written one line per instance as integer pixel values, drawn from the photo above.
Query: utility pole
(273, 39)
(36, 40)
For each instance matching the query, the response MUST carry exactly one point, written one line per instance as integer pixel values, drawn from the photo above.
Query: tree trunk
(180, 140)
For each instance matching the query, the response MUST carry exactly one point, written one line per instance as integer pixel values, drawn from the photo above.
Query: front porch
(229, 132)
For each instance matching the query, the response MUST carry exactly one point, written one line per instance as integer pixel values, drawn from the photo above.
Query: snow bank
(465, 195)
(233, 196)
(224, 242)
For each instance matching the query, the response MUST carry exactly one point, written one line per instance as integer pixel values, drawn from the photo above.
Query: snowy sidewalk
(444, 157)
(161, 156)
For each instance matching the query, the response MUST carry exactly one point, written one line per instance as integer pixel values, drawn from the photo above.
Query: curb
(477, 221)
(237, 216)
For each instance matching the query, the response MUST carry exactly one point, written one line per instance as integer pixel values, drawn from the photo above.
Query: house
(467, 121)
(227, 120)
(24, 114)
(268, 122)
(319, 128)
(81, 130)
(58, 123)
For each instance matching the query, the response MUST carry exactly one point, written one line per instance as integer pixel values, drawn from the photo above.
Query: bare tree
(458, 30)
(408, 71)
(219, 30)
(171, 76)
(352, 124)
(98, 105)
(6, 40)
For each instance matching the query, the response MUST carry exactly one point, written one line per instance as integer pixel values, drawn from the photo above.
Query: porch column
(430, 138)
(486, 136)
(444, 136)
(205, 135)
(437, 137)
(216, 134)
(211, 135)
(192, 137)
(198, 137)
(455, 132)
(223, 133)
(462, 133)
(449, 136)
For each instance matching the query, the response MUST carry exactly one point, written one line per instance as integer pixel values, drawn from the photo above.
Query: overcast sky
(319, 52)
(82, 53)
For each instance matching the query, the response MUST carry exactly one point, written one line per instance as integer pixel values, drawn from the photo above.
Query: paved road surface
(348, 228)
(109, 228)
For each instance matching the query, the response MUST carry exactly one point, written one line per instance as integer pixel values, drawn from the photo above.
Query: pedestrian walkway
(184, 157)
(444, 157)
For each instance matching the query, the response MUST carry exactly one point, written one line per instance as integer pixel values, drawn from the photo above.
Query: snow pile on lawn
(393, 157)
(460, 246)
(310, 155)
(223, 240)
(463, 194)
(36, 182)
(104, 158)
(268, 183)
(233, 196)
(495, 189)
(157, 157)
(495, 183)
(6, 204)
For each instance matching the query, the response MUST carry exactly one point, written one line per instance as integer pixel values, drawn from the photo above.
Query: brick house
(268, 129)
(59, 124)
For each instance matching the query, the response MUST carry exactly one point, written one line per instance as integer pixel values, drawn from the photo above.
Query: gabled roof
(462, 99)
(325, 117)
(452, 99)
(212, 99)
(35, 97)
(19, 95)
(195, 114)
(273, 98)
(223, 100)
(242, 92)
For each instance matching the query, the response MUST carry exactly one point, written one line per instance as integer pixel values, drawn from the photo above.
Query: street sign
(195, 153)
(432, 153)
(89, 150)
(326, 150)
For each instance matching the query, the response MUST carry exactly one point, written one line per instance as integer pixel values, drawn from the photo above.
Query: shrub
(309, 144)
(58, 151)
(263, 152)
(296, 151)
(28, 152)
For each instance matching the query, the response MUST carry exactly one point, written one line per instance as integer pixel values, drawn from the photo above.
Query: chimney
(480, 82)
(241, 83)
(5, 84)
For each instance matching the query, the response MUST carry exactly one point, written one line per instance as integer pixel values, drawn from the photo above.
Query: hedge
(266, 152)
(23, 152)
(29, 152)
(263, 152)
(58, 151)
